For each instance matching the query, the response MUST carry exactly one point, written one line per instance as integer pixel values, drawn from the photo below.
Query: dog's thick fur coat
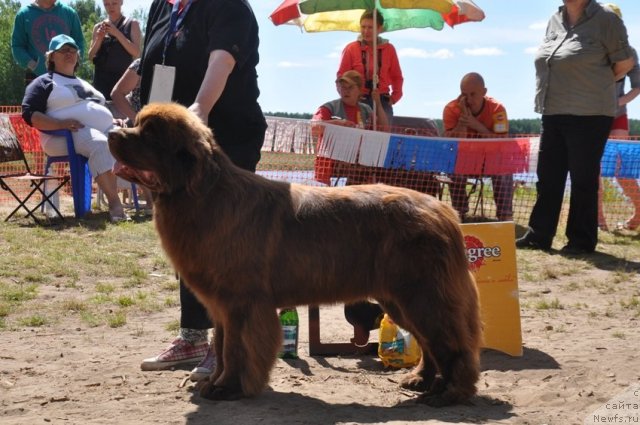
(246, 246)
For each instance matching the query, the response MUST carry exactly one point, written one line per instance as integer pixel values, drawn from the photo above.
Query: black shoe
(576, 250)
(527, 242)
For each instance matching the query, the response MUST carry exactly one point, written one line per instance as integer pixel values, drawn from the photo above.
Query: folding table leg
(317, 348)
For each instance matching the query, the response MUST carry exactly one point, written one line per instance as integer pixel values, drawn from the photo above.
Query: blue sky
(297, 69)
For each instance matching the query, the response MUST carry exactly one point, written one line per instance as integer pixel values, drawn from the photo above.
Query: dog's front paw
(435, 400)
(415, 382)
(216, 392)
(441, 395)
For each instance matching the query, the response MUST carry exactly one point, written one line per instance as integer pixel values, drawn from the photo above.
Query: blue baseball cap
(60, 40)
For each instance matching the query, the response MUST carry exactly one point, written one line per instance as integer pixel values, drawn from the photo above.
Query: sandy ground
(575, 359)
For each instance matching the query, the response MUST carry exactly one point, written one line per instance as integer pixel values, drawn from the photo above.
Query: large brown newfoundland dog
(246, 246)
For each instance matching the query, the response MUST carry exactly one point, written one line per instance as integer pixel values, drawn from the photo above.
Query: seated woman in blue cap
(59, 100)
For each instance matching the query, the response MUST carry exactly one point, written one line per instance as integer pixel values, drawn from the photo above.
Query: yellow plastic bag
(397, 348)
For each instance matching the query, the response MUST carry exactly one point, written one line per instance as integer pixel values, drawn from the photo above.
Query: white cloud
(531, 50)
(287, 64)
(410, 52)
(483, 51)
(539, 25)
(495, 34)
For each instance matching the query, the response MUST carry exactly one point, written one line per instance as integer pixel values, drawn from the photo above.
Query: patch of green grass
(125, 301)
(33, 321)
(4, 309)
(171, 302)
(134, 282)
(633, 304)
(73, 305)
(549, 305)
(171, 285)
(105, 288)
(101, 299)
(620, 335)
(91, 319)
(622, 276)
(173, 326)
(117, 319)
(20, 293)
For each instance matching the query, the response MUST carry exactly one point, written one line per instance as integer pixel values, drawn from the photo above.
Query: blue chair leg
(80, 175)
(80, 184)
(134, 196)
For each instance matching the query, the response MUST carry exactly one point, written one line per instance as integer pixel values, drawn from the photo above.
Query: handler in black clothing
(212, 47)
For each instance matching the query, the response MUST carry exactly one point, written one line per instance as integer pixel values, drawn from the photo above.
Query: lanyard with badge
(164, 75)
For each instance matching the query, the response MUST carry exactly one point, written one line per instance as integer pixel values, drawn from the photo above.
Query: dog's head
(168, 150)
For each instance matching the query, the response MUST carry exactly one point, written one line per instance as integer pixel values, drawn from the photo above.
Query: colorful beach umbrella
(344, 15)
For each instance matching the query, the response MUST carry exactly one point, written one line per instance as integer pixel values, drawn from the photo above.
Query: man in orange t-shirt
(474, 114)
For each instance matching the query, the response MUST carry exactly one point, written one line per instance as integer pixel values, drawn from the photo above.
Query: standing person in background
(211, 49)
(115, 42)
(34, 26)
(474, 114)
(620, 129)
(358, 56)
(575, 93)
(125, 94)
(125, 97)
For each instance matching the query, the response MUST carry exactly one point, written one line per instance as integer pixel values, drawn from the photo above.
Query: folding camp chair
(11, 152)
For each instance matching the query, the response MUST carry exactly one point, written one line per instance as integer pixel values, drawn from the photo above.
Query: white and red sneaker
(180, 352)
(205, 367)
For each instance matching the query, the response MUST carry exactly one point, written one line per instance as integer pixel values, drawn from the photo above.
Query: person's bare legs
(629, 186)
(632, 191)
(107, 182)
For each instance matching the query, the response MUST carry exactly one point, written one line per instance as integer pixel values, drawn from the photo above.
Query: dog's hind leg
(422, 377)
(448, 333)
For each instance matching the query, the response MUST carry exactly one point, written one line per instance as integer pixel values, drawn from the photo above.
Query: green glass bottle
(289, 322)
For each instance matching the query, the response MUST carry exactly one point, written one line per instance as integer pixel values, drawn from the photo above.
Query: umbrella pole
(375, 67)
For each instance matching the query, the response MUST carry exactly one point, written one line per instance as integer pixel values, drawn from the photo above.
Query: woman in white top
(60, 100)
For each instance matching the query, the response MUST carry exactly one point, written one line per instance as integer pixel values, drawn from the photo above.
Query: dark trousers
(193, 315)
(502, 194)
(570, 145)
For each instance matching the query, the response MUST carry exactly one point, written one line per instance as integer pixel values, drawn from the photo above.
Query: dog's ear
(201, 156)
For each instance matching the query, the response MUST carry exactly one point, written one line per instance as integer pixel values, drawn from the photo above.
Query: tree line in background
(516, 126)
(12, 76)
